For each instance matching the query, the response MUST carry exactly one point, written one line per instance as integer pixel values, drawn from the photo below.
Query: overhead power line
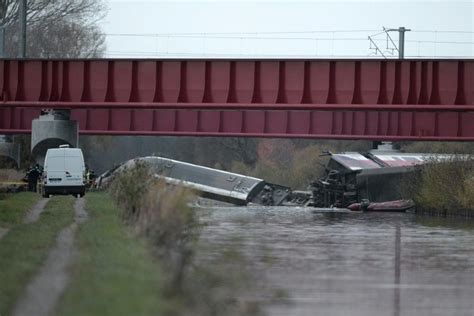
(328, 39)
(235, 33)
(264, 38)
(435, 31)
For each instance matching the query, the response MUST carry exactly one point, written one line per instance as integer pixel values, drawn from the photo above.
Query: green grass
(14, 207)
(115, 273)
(26, 246)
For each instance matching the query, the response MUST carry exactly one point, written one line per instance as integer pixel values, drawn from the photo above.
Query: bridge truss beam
(338, 99)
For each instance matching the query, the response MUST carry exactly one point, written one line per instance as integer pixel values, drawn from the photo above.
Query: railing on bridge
(351, 99)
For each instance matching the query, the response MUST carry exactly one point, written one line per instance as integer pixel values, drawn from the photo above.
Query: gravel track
(34, 214)
(45, 289)
(3, 232)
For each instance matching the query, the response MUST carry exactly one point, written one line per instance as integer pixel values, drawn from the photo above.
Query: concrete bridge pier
(51, 129)
(9, 149)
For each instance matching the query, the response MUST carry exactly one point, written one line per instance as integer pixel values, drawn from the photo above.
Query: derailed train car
(211, 183)
(375, 176)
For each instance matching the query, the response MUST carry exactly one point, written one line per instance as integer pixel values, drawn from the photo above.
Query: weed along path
(45, 289)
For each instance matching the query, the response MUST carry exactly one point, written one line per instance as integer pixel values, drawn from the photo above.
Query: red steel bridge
(336, 99)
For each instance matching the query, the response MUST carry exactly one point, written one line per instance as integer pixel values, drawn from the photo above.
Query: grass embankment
(26, 246)
(443, 188)
(160, 214)
(14, 207)
(115, 273)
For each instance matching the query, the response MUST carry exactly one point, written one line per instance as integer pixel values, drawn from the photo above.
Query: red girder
(339, 99)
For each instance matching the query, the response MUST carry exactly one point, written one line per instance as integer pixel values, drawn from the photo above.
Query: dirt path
(30, 217)
(34, 214)
(3, 232)
(44, 290)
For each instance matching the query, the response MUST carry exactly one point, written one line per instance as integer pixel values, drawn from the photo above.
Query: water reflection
(320, 263)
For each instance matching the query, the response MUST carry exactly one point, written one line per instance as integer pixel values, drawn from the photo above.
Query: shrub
(443, 186)
(171, 225)
(129, 187)
(160, 213)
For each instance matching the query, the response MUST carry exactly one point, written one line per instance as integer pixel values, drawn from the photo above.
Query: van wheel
(45, 194)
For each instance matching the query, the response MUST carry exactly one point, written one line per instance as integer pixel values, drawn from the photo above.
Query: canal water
(304, 262)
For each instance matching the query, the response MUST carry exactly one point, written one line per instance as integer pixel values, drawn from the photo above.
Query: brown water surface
(312, 263)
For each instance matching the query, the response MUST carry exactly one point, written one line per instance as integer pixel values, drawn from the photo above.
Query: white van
(64, 172)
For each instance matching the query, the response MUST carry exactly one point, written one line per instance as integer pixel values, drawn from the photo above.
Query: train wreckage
(352, 180)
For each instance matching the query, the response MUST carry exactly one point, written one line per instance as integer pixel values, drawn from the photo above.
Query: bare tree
(56, 28)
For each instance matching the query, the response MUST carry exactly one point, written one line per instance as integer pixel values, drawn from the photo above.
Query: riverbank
(160, 214)
(444, 189)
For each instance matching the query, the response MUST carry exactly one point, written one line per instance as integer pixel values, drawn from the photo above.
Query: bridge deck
(350, 99)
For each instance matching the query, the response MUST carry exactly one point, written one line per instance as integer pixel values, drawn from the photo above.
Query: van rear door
(74, 167)
(55, 168)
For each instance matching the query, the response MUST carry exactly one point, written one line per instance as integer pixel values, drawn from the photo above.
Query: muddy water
(311, 263)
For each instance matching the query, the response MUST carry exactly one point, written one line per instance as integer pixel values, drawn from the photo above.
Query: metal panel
(321, 122)
(276, 122)
(243, 82)
(231, 121)
(170, 81)
(254, 122)
(121, 78)
(12, 79)
(142, 120)
(426, 82)
(193, 81)
(468, 84)
(32, 80)
(120, 120)
(3, 69)
(317, 87)
(447, 82)
(98, 80)
(344, 82)
(74, 81)
(293, 76)
(81, 116)
(370, 81)
(218, 83)
(268, 81)
(402, 82)
(209, 121)
(165, 121)
(299, 122)
(145, 81)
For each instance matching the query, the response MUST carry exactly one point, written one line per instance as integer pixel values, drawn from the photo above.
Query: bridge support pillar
(9, 149)
(51, 129)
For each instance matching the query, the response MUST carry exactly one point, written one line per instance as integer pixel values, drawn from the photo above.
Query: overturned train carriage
(216, 184)
(375, 176)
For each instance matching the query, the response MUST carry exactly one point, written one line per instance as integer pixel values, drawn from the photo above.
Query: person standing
(33, 175)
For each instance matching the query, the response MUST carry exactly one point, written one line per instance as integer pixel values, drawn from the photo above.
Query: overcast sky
(267, 28)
